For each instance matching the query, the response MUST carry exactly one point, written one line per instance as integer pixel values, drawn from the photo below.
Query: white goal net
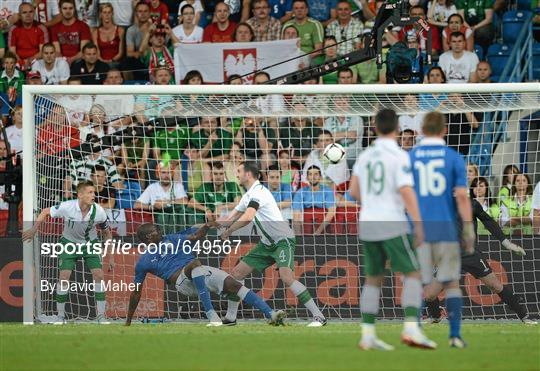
(168, 155)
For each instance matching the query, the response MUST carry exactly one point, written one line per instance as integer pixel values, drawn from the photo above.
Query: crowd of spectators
(188, 167)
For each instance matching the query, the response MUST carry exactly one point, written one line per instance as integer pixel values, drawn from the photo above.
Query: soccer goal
(168, 155)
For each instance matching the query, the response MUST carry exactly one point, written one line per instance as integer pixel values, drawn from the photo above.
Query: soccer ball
(334, 153)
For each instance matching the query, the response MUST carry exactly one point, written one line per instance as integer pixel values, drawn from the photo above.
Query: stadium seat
(523, 4)
(479, 52)
(498, 55)
(513, 22)
(536, 61)
(136, 82)
(5, 106)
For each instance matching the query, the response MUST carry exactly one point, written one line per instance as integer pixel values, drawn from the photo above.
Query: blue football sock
(197, 277)
(255, 301)
(454, 304)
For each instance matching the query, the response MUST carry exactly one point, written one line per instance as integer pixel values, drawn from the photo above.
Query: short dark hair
(48, 45)
(252, 168)
(9, 54)
(456, 15)
(144, 230)
(301, 1)
(186, 6)
(216, 165)
(89, 45)
(97, 168)
(440, 70)
(327, 132)
(83, 184)
(331, 37)
(408, 131)
(346, 69)
(235, 76)
(261, 73)
(416, 7)
(191, 74)
(314, 167)
(457, 34)
(386, 121)
(273, 168)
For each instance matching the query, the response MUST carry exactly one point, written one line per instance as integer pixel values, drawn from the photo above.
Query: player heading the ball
(81, 216)
(189, 276)
(277, 242)
(382, 181)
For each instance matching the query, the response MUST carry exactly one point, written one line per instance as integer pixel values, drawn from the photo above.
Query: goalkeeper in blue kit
(190, 277)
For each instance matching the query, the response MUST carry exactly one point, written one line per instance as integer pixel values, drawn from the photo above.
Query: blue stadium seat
(479, 52)
(136, 82)
(524, 4)
(536, 61)
(5, 105)
(498, 56)
(513, 22)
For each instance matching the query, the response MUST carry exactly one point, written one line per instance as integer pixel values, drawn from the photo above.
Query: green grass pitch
(256, 346)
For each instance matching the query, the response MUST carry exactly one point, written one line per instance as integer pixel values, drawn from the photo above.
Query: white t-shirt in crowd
(442, 12)
(196, 35)
(116, 105)
(9, 7)
(59, 72)
(15, 138)
(536, 197)
(123, 12)
(458, 70)
(76, 107)
(155, 192)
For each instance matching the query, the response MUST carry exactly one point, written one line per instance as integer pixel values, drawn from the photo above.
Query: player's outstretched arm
(464, 207)
(203, 230)
(493, 227)
(231, 218)
(28, 234)
(134, 299)
(246, 218)
(411, 205)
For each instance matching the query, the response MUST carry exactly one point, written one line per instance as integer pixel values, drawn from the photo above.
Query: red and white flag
(217, 61)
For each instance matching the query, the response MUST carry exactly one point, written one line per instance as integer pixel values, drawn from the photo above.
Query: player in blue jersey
(441, 186)
(170, 262)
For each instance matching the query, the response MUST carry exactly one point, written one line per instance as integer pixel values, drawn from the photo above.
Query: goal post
(328, 263)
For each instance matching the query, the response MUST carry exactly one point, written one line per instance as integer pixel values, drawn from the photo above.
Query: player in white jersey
(277, 242)
(81, 216)
(383, 182)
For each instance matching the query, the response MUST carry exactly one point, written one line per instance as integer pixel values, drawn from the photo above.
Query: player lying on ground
(277, 242)
(440, 179)
(478, 267)
(81, 216)
(189, 276)
(383, 183)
